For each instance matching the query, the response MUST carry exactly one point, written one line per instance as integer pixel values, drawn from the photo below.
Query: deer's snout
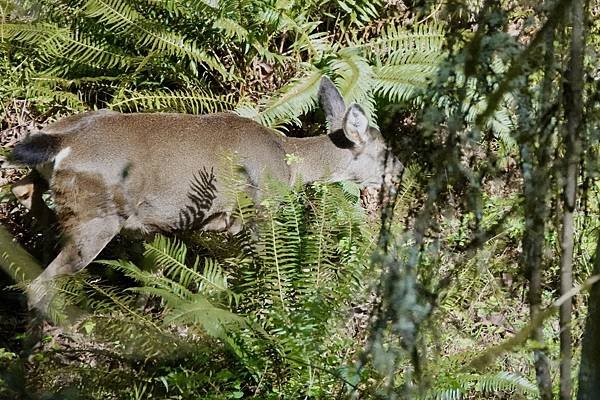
(393, 170)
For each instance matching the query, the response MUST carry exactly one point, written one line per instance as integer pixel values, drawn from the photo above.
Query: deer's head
(374, 164)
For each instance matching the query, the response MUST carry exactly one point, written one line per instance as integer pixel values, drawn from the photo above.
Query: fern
(505, 381)
(396, 39)
(401, 82)
(467, 384)
(122, 18)
(279, 257)
(83, 50)
(170, 255)
(189, 294)
(232, 29)
(199, 311)
(53, 94)
(293, 100)
(186, 101)
(184, 7)
(55, 43)
(355, 80)
(396, 67)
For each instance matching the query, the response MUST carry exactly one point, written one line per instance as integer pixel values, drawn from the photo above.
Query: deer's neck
(325, 158)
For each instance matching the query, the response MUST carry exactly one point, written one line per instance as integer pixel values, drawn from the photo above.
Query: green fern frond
(54, 95)
(33, 34)
(355, 80)
(505, 381)
(409, 186)
(183, 288)
(184, 101)
(171, 256)
(55, 45)
(294, 99)
(334, 236)
(424, 38)
(488, 384)
(399, 83)
(184, 7)
(361, 11)
(122, 18)
(500, 121)
(449, 394)
(231, 29)
(82, 50)
(54, 42)
(306, 39)
(151, 282)
(199, 311)
(351, 191)
(406, 77)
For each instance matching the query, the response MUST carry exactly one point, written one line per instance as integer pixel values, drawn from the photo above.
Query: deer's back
(150, 165)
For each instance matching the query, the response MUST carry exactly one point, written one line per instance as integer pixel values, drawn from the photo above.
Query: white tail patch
(61, 156)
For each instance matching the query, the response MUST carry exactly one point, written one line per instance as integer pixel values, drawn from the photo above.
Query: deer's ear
(356, 125)
(332, 104)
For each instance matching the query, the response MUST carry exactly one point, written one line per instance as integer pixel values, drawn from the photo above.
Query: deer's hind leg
(90, 219)
(79, 250)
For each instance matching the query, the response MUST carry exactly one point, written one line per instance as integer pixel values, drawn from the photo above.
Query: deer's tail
(37, 148)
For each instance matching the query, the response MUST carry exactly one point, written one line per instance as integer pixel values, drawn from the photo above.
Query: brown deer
(158, 172)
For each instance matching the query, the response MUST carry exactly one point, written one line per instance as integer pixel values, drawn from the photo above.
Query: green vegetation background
(328, 300)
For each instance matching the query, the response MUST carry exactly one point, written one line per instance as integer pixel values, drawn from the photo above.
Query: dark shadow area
(202, 194)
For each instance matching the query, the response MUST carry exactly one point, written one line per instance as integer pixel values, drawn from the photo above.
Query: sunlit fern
(132, 44)
(189, 101)
(192, 294)
(296, 98)
(465, 385)
(395, 68)
(122, 18)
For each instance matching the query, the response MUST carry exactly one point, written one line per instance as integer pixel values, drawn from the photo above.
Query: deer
(110, 171)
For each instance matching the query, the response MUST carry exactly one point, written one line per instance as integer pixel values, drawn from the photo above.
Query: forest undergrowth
(448, 291)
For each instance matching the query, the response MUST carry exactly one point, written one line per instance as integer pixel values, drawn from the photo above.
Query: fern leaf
(184, 101)
(231, 28)
(294, 99)
(199, 311)
(82, 50)
(355, 80)
(505, 381)
(171, 255)
(33, 34)
(424, 38)
(406, 78)
(184, 7)
(54, 95)
(122, 18)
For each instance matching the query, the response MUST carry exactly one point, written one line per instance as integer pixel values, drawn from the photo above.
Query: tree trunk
(573, 89)
(535, 189)
(535, 165)
(589, 371)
